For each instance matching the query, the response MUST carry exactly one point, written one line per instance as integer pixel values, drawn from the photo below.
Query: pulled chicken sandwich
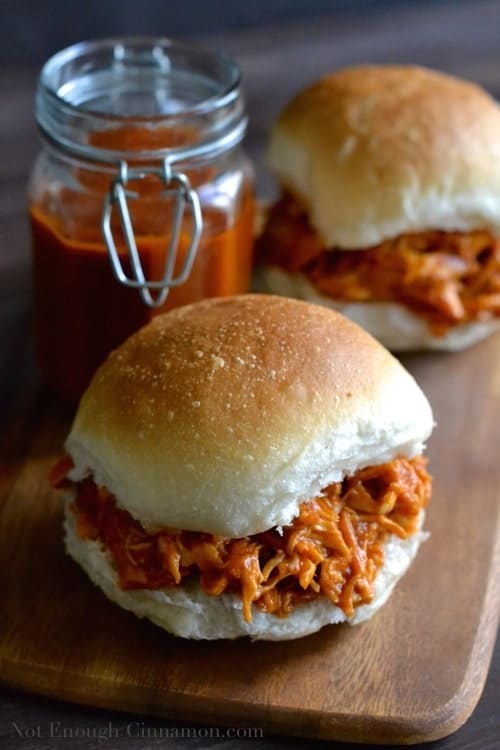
(247, 466)
(390, 205)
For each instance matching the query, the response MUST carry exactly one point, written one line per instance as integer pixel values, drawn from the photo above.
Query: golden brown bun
(225, 415)
(374, 152)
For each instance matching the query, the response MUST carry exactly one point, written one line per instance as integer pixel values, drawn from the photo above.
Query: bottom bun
(395, 326)
(191, 613)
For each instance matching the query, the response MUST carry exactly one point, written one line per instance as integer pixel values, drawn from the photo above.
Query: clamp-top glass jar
(141, 199)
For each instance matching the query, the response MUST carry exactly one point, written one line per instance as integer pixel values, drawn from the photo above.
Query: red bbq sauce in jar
(161, 123)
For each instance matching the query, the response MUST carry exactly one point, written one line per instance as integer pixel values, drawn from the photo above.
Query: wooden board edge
(381, 731)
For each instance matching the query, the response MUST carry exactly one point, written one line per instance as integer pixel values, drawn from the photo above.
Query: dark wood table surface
(462, 37)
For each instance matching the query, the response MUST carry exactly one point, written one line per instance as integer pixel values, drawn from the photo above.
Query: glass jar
(141, 199)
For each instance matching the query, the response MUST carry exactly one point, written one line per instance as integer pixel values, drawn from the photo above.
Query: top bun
(223, 416)
(374, 152)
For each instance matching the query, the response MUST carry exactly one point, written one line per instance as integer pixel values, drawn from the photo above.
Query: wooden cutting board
(413, 673)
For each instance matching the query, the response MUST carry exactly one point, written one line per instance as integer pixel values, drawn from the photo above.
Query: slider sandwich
(390, 205)
(247, 466)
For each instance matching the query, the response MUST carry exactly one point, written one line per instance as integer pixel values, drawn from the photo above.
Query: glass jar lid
(156, 82)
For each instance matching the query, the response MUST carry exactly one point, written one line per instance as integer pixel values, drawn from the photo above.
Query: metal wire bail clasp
(185, 198)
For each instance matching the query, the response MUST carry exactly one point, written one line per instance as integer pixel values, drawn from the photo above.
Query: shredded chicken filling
(446, 277)
(333, 548)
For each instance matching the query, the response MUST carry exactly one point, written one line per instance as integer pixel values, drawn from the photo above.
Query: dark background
(31, 30)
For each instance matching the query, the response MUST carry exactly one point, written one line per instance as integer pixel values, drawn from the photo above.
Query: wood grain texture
(414, 673)
(458, 36)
